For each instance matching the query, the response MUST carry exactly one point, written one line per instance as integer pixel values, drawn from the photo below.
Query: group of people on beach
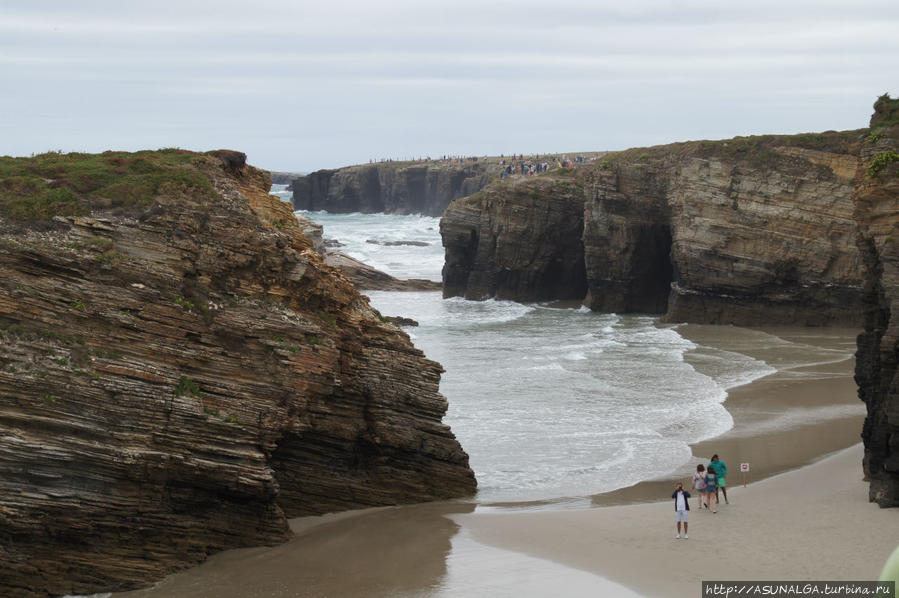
(708, 481)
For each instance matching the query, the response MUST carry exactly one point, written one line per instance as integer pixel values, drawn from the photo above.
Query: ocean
(552, 402)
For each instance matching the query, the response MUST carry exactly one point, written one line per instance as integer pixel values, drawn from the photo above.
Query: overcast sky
(305, 85)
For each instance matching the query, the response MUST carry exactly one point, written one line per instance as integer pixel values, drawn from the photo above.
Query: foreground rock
(392, 187)
(876, 198)
(180, 373)
(751, 231)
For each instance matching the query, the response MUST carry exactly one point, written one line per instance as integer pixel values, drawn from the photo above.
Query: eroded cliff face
(876, 198)
(748, 231)
(180, 375)
(393, 188)
(519, 239)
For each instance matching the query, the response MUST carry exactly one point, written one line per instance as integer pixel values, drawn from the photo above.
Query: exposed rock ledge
(753, 231)
(180, 373)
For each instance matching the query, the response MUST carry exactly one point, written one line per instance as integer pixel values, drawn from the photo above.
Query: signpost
(744, 468)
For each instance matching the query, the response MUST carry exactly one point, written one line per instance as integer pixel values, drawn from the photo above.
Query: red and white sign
(744, 467)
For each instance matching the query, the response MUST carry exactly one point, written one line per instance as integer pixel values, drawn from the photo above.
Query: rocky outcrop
(876, 199)
(518, 239)
(363, 276)
(180, 373)
(392, 187)
(284, 178)
(366, 278)
(751, 231)
(312, 231)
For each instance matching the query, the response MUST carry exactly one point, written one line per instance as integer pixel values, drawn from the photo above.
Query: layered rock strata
(392, 187)
(181, 374)
(876, 199)
(750, 231)
(519, 239)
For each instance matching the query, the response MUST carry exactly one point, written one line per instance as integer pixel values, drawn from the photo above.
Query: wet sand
(781, 422)
(810, 523)
(814, 523)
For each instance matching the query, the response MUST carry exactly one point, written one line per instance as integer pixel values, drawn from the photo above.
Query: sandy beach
(804, 515)
(813, 523)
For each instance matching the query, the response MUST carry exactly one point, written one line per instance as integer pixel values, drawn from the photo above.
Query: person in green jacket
(721, 469)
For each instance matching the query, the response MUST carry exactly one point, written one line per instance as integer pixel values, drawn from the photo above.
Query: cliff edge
(876, 198)
(424, 188)
(746, 231)
(180, 373)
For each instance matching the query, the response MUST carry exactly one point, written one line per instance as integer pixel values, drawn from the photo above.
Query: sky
(300, 85)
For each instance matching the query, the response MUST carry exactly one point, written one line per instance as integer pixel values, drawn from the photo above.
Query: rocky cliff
(755, 230)
(392, 187)
(518, 239)
(180, 373)
(284, 178)
(876, 198)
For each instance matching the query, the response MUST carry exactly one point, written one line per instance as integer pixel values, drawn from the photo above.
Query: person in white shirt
(681, 508)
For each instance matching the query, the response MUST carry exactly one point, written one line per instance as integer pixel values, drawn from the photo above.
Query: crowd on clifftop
(514, 164)
(537, 167)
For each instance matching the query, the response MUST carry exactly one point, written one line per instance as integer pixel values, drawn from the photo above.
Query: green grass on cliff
(886, 111)
(755, 150)
(56, 184)
(881, 162)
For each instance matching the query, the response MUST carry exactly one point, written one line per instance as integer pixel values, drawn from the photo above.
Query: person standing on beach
(721, 470)
(711, 487)
(699, 485)
(681, 508)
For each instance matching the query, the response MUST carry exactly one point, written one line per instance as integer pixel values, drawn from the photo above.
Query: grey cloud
(309, 84)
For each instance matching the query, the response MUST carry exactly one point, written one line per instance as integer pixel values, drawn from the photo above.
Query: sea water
(553, 401)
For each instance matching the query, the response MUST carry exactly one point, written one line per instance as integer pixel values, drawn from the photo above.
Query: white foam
(549, 401)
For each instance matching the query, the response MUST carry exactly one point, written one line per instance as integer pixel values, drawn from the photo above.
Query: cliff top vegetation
(886, 112)
(35, 189)
(757, 150)
(463, 161)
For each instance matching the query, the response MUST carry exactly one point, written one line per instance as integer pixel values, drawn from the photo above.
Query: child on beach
(699, 484)
(711, 488)
(681, 508)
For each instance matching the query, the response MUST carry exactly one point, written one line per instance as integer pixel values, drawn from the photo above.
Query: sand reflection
(374, 552)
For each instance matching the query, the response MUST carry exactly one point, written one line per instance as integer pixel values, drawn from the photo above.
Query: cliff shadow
(370, 553)
(633, 274)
